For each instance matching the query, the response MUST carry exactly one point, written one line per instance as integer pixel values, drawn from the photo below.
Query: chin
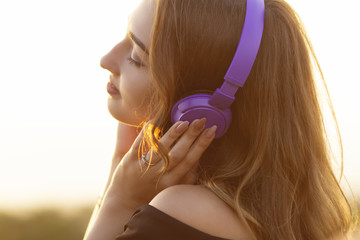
(122, 116)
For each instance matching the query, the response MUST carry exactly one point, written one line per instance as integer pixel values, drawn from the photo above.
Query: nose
(111, 60)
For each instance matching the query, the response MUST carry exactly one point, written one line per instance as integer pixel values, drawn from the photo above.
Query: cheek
(135, 89)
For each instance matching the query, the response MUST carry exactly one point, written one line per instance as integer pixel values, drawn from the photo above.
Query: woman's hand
(125, 137)
(135, 183)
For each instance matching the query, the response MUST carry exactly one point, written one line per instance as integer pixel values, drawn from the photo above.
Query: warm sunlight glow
(56, 136)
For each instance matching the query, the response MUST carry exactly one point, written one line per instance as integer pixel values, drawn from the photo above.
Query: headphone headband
(249, 43)
(245, 54)
(216, 107)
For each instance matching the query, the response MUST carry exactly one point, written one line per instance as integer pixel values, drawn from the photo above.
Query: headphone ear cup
(196, 107)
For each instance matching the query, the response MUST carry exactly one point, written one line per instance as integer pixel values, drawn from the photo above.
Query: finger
(193, 155)
(167, 140)
(174, 133)
(182, 146)
(190, 177)
(149, 159)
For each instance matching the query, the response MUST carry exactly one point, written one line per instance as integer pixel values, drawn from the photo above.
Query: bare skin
(130, 188)
(201, 209)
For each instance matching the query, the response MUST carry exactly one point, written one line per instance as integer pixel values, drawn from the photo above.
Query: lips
(112, 90)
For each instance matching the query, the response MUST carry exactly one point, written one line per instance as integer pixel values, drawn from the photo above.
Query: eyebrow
(138, 42)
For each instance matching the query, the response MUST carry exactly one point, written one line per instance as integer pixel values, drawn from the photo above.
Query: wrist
(117, 202)
(110, 218)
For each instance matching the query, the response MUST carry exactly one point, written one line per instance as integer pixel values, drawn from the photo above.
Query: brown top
(149, 223)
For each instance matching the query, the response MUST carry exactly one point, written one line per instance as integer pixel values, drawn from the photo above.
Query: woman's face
(128, 63)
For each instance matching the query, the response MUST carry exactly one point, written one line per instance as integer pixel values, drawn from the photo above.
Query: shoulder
(199, 208)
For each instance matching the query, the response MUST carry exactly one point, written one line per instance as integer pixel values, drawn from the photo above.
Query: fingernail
(199, 124)
(182, 127)
(210, 133)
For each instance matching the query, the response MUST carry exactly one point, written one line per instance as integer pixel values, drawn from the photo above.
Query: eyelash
(137, 64)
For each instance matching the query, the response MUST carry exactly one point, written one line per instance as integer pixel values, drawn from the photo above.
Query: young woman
(268, 177)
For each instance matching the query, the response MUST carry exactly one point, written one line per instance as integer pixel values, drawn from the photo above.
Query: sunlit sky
(56, 136)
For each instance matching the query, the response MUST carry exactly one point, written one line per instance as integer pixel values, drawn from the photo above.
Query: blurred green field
(44, 224)
(56, 224)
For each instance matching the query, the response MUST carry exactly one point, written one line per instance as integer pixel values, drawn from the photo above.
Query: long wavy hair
(273, 166)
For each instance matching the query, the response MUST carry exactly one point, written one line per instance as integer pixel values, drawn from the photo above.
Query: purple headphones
(216, 107)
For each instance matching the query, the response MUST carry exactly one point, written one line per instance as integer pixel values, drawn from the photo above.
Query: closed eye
(136, 63)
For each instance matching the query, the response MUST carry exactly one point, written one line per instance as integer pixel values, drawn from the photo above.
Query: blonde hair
(273, 166)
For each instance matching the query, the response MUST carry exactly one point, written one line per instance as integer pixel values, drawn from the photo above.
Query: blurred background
(56, 136)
